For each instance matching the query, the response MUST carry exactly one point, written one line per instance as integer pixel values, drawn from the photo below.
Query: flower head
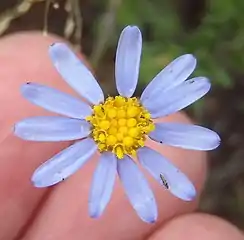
(118, 126)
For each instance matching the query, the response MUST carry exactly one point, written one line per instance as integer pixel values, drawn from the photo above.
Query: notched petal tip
(131, 27)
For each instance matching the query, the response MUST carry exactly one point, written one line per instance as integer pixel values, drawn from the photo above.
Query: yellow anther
(141, 142)
(151, 127)
(122, 122)
(131, 122)
(121, 113)
(114, 122)
(99, 111)
(132, 111)
(119, 101)
(119, 151)
(119, 136)
(102, 137)
(133, 132)
(112, 113)
(112, 130)
(104, 124)
(101, 146)
(123, 130)
(133, 153)
(120, 125)
(128, 141)
(111, 140)
(147, 115)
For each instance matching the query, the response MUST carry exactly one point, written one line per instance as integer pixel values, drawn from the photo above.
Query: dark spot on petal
(52, 44)
(152, 221)
(28, 83)
(161, 141)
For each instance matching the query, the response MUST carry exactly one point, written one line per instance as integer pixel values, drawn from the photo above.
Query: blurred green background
(212, 30)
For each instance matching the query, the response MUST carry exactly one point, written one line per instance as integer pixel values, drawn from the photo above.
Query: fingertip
(24, 59)
(198, 226)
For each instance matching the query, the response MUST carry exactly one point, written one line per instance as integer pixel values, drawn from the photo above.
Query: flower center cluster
(120, 125)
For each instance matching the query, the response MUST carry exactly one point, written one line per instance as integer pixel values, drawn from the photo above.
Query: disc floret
(120, 125)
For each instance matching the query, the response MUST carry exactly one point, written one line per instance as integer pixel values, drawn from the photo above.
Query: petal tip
(25, 85)
(95, 212)
(58, 49)
(152, 218)
(190, 56)
(189, 195)
(55, 44)
(15, 131)
(132, 29)
(217, 140)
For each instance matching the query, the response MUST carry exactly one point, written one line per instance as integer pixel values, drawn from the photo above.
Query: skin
(61, 212)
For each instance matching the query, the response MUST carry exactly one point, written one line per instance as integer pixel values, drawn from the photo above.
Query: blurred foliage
(217, 41)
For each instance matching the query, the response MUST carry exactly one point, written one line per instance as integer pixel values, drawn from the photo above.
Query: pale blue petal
(55, 101)
(178, 97)
(127, 62)
(172, 75)
(178, 184)
(75, 73)
(137, 189)
(185, 136)
(64, 164)
(52, 129)
(102, 184)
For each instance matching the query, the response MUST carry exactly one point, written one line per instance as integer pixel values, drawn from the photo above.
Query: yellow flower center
(120, 125)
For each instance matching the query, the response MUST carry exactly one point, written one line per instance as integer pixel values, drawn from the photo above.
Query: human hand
(61, 212)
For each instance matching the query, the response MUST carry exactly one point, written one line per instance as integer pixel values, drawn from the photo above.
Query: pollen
(120, 125)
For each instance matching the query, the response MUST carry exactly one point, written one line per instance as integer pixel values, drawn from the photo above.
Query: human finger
(197, 226)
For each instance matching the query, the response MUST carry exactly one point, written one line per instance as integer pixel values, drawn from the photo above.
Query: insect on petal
(177, 182)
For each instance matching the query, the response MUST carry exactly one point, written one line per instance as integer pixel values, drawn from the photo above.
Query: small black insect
(164, 181)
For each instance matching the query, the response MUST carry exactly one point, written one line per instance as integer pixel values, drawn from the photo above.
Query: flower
(117, 126)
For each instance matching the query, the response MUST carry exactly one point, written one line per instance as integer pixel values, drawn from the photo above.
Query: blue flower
(118, 127)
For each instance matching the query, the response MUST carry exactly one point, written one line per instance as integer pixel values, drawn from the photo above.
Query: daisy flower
(118, 126)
